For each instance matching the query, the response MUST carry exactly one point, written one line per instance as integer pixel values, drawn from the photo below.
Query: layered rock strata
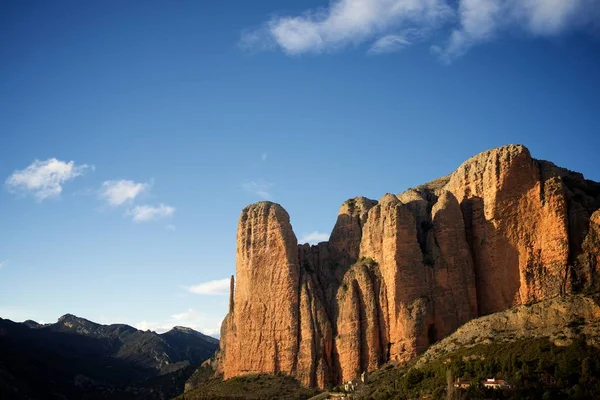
(402, 273)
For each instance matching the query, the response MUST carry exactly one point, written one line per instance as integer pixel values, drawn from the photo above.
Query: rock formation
(261, 334)
(402, 273)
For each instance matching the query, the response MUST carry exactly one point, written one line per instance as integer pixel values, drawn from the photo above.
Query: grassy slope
(537, 369)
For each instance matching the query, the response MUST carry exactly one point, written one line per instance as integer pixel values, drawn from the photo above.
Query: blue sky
(133, 133)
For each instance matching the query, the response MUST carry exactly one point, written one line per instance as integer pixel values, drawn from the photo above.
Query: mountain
(75, 358)
(189, 344)
(399, 274)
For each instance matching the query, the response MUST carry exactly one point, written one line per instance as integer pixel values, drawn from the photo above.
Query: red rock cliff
(402, 273)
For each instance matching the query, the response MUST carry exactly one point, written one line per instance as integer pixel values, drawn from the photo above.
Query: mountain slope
(75, 356)
(561, 320)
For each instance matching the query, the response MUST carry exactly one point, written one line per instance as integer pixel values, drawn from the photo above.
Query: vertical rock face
(316, 340)
(360, 320)
(262, 331)
(399, 274)
(518, 227)
(347, 233)
(454, 293)
(390, 238)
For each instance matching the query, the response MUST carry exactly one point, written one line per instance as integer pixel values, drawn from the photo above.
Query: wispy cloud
(263, 156)
(115, 193)
(189, 318)
(399, 40)
(259, 188)
(44, 179)
(389, 44)
(3, 264)
(348, 23)
(145, 213)
(171, 228)
(257, 40)
(216, 287)
(484, 20)
(314, 237)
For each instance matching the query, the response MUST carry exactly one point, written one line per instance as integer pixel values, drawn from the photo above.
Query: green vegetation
(255, 386)
(535, 369)
(367, 262)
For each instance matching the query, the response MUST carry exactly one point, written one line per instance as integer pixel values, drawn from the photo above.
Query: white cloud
(218, 287)
(189, 318)
(147, 213)
(143, 326)
(115, 193)
(45, 179)
(347, 23)
(3, 264)
(257, 40)
(484, 20)
(152, 326)
(259, 188)
(314, 238)
(389, 44)
(263, 156)
(399, 40)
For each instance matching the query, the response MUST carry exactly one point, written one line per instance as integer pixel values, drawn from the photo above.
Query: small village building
(493, 383)
(364, 377)
(462, 384)
(349, 387)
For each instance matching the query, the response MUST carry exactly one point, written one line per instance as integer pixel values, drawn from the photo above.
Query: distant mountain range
(77, 358)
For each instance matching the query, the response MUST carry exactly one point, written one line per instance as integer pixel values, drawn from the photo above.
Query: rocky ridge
(402, 273)
(78, 358)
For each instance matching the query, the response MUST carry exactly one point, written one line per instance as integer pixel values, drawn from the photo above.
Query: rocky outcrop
(346, 236)
(261, 334)
(402, 273)
(390, 238)
(454, 292)
(518, 227)
(361, 325)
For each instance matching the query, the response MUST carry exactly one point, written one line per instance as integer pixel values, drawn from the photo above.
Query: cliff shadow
(495, 260)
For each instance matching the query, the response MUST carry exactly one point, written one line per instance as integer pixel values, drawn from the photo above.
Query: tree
(585, 371)
(450, 389)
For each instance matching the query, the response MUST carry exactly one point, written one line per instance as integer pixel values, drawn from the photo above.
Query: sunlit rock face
(262, 330)
(406, 271)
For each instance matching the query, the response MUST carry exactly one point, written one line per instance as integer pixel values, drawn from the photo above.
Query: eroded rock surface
(261, 333)
(404, 272)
